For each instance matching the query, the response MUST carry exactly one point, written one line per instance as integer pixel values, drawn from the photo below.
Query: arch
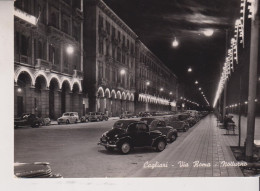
(118, 95)
(113, 94)
(123, 96)
(107, 93)
(65, 79)
(26, 70)
(132, 97)
(43, 74)
(55, 76)
(75, 84)
(100, 92)
(76, 81)
(128, 96)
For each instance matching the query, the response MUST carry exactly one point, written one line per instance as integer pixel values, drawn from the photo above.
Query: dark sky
(157, 22)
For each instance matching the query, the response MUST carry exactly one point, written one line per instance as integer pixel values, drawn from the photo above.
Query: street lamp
(196, 82)
(122, 71)
(175, 43)
(189, 69)
(19, 90)
(161, 89)
(148, 83)
(170, 93)
(199, 89)
(70, 49)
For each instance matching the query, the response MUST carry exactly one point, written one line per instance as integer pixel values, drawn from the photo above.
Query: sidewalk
(205, 143)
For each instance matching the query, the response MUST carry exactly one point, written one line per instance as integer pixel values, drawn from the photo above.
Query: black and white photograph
(133, 89)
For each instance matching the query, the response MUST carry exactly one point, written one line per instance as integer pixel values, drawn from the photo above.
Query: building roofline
(110, 12)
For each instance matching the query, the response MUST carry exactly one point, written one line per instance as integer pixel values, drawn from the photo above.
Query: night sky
(157, 22)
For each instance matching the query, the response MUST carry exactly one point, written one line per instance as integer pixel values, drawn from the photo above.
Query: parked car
(68, 117)
(160, 125)
(127, 114)
(127, 134)
(94, 116)
(176, 122)
(27, 119)
(144, 114)
(34, 170)
(102, 116)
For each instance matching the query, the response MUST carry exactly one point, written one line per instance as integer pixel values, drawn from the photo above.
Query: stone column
(45, 102)
(29, 96)
(57, 104)
(68, 101)
(102, 104)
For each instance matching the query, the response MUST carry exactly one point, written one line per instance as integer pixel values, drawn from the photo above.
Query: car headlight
(104, 134)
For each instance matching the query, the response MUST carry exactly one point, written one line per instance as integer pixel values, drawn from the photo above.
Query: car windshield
(122, 124)
(91, 113)
(66, 114)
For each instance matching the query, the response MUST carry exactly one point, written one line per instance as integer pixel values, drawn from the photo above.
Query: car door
(161, 126)
(72, 118)
(143, 137)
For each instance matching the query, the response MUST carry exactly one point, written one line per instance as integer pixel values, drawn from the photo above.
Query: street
(72, 150)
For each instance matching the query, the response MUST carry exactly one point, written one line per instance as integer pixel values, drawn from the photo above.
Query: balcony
(102, 82)
(43, 65)
(58, 35)
(77, 74)
(78, 13)
(26, 19)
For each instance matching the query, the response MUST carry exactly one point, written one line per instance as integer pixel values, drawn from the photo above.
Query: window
(113, 32)
(54, 19)
(108, 27)
(101, 46)
(108, 73)
(100, 22)
(24, 45)
(40, 49)
(141, 127)
(65, 26)
(76, 31)
(118, 55)
(100, 70)
(119, 35)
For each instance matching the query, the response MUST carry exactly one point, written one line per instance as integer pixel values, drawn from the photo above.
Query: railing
(59, 34)
(43, 64)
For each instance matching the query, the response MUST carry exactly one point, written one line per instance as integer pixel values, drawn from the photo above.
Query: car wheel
(76, 121)
(109, 148)
(68, 121)
(97, 119)
(160, 146)
(125, 148)
(58, 123)
(173, 138)
(106, 119)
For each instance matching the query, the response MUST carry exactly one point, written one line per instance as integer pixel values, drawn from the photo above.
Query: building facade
(109, 65)
(120, 72)
(48, 57)
(156, 85)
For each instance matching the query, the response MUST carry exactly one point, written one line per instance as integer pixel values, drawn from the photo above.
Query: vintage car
(27, 119)
(102, 116)
(68, 117)
(94, 116)
(160, 125)
(34, 170)
(127, 114)
(127, 134)
(176, 122)
(144, 114)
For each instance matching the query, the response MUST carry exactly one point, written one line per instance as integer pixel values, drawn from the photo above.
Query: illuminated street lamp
(208, 32)
(189, 69)
(196, 82)
(199, 89)
(161, 89)
(70, 49)
(19, 90)
(170, 93)
(122, 71)
(175, 43)
(148, 83)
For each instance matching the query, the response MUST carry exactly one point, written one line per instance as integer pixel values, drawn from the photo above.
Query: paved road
(72, 150)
